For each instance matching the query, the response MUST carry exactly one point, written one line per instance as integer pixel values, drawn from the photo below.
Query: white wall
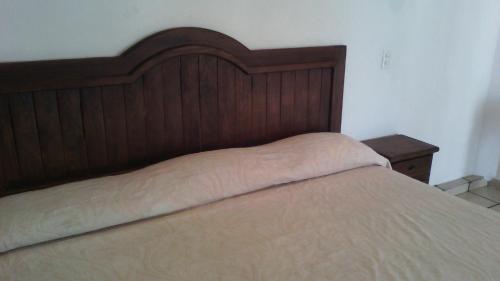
(434, 90)
(488, 160)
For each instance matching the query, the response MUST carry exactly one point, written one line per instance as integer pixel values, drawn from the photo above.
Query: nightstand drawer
(407, 155)
(418, 168)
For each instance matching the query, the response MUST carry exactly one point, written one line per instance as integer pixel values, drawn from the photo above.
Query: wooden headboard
(176, 92)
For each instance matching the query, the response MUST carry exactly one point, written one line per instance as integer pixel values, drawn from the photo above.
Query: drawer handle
(411, 167)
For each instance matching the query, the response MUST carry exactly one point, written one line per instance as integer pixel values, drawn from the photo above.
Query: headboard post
(179, 91)
(337, 96)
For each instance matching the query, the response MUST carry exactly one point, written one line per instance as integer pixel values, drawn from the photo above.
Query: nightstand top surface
(400, 147)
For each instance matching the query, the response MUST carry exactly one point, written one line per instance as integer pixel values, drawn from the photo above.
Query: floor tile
(476, 199)
(478, 184)
(496, 208)
(472, 178)
(494, 182)
(490, 192)
(457, 190)
(453, 184)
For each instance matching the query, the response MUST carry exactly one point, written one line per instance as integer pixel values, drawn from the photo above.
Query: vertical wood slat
(243, 88)
(3, 180)
(190, 86)
(135, 112)
(155, 115)
(8, 151)
(259, 109)
(326, 81)
(95, 132)
(287, 103)
(227, 103)
(314, 101)
(113, 104)
(75, 150)
(273, 106)
(173, 130)
(209, 109)
(26, 137)
(49, 132)
(300, 102)
(337, 93)
(188, 98)
(5, 116)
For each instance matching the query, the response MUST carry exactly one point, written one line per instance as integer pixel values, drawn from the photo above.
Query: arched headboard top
(127, 67)
(176, 92)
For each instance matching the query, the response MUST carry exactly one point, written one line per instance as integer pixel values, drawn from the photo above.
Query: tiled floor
(496, 208)
(488, 197)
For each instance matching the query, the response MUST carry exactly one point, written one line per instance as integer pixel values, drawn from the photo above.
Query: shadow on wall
(489, 149)
(488, 159)
(498, 171)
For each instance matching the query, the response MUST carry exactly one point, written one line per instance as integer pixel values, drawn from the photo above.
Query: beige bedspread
(364, 224)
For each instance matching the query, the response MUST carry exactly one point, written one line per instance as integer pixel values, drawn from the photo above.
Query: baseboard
(454, 187)
(464, 184)
(494, 182)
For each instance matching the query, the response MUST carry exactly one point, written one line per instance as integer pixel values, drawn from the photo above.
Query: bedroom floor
(487, 196)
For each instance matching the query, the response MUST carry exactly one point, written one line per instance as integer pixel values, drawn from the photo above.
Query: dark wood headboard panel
(179, 91)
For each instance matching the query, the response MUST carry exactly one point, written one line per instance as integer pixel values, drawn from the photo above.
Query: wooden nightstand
(407, 155)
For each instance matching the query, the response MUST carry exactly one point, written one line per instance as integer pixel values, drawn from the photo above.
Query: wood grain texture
(50, 133)
(115, 121)
(273, 104)
(74, 145)
(135, 112)
(3, 179)
(26, 137)
(8, 150)
(398, 148)
(417, 168)
(337, 97)
(243, 95)
(407, 155)
(227, 103)
(155, 115)
(326, 97)
(300, 112)
(209, 108)
(95, 131)
(314, 101)
(174, 127)
(190, 85)
(259, 110)
(140, 58)
(177, 92)
(287, 103)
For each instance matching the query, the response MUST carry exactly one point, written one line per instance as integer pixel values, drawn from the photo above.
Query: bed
(190, 157)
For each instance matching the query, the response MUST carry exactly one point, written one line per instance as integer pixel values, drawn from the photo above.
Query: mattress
(364, 223)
